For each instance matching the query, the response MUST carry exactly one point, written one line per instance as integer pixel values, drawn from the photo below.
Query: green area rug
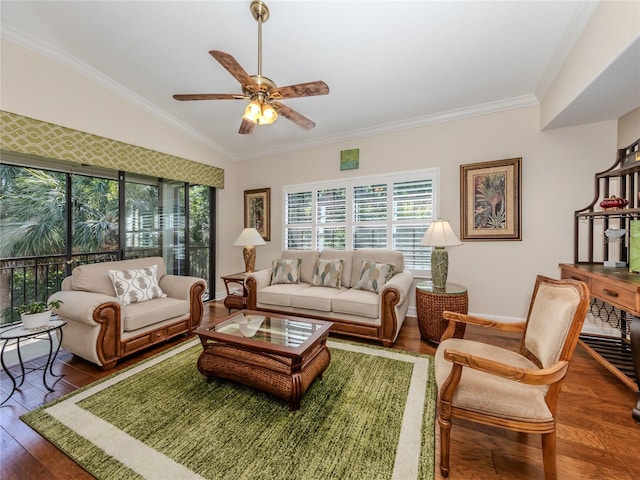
(371, 416)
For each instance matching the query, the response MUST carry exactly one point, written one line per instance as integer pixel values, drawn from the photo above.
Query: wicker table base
(283, 377)
(431, 302)
(277, 354)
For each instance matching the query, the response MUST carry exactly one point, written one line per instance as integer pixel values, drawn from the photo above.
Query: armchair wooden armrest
(543, 376)
(454, 317)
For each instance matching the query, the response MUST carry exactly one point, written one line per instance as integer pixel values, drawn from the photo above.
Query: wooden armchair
(513, 390)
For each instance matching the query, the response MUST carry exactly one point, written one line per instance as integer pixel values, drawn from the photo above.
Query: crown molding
(53, 53)
(416, 122)
(58, 55)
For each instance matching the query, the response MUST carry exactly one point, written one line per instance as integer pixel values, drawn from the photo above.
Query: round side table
(18, 333)
(431, 302)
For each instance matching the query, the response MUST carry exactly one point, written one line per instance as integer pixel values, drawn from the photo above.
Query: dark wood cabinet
(615, 291)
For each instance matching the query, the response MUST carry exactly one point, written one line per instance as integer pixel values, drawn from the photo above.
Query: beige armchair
(103, 327)
(512, 390)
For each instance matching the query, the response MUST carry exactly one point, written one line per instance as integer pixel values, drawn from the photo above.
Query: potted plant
(36, 314)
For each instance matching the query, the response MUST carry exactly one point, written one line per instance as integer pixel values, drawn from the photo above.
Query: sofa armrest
(178, 286)
(80, 306)
(253, 282)
(394, 302)
(402, 282)
(262, 277)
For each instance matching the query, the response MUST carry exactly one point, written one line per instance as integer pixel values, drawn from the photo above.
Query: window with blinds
(391, 211)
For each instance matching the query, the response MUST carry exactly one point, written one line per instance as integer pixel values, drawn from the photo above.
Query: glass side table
(432, 301)
(18, 333)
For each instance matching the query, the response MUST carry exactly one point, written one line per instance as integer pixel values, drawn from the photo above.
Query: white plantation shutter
(331, 205)
(331, 214)
(298, 218)
(391, 211)
(370, 207)
(298, 208)
(412, 213)
(370, 203)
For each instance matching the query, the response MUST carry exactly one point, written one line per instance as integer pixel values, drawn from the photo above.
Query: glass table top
(271, 329)
(450, 288)
(19, 331)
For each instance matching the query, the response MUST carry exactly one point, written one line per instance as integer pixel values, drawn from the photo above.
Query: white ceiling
(389, 64)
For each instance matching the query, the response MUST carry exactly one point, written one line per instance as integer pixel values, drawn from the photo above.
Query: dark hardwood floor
(597, 438)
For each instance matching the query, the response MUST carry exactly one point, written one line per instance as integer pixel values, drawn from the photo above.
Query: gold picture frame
(257, 211)
(490, 200)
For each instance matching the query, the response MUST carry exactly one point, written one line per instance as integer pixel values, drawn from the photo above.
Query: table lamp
(439, 235)
(249, 238)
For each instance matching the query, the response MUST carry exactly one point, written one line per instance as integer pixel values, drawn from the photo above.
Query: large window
(54, 216)
(391, 211)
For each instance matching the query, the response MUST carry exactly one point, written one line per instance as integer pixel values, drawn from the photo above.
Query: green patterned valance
(35, 137)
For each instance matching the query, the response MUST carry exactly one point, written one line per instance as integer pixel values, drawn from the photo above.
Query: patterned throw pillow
(373, 275)
(135, 286)
(285, 271)
(327, 273)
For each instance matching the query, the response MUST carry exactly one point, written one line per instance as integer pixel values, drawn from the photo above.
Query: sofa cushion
(356, 302)
(285, 271)
(307, 262)
(140, 315)
(328, 273)
(380, 255)
(138, 285)
(347, 257)
(315, 298)
(373, 276)
(95, 277)
(280, 294)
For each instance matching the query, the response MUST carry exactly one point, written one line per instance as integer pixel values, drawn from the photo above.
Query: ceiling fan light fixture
(269, 115)
(253, 112)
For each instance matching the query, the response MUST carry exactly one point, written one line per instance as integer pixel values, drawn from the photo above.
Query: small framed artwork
(257, 211)
(490, 200)
(350, 159)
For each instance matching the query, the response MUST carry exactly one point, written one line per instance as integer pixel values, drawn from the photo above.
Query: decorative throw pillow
(327, 273)
(285, 271)
(135, 286)
(373, 275)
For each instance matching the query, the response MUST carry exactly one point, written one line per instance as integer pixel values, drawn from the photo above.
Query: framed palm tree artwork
(490, 200)
(257, 211)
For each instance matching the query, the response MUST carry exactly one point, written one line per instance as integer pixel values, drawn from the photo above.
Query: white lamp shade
(249, 237)
(440, 234)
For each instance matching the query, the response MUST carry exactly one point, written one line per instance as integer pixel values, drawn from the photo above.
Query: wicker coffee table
(278, 354)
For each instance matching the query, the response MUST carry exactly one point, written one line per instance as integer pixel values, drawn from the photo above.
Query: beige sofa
(355, 312)
(103, 328)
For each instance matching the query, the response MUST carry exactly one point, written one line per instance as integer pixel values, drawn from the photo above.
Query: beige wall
(629, 128)
(558, 168)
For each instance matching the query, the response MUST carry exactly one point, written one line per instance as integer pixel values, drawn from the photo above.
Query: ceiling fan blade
(309, 89)
(209, 96)
(294, 116)
(246, 127)
(232, 66)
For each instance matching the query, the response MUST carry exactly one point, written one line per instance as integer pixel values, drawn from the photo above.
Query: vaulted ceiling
(389, 65)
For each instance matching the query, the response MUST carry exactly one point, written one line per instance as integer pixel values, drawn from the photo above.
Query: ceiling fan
(264, 106)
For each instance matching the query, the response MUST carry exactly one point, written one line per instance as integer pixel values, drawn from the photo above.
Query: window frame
(432, 174)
